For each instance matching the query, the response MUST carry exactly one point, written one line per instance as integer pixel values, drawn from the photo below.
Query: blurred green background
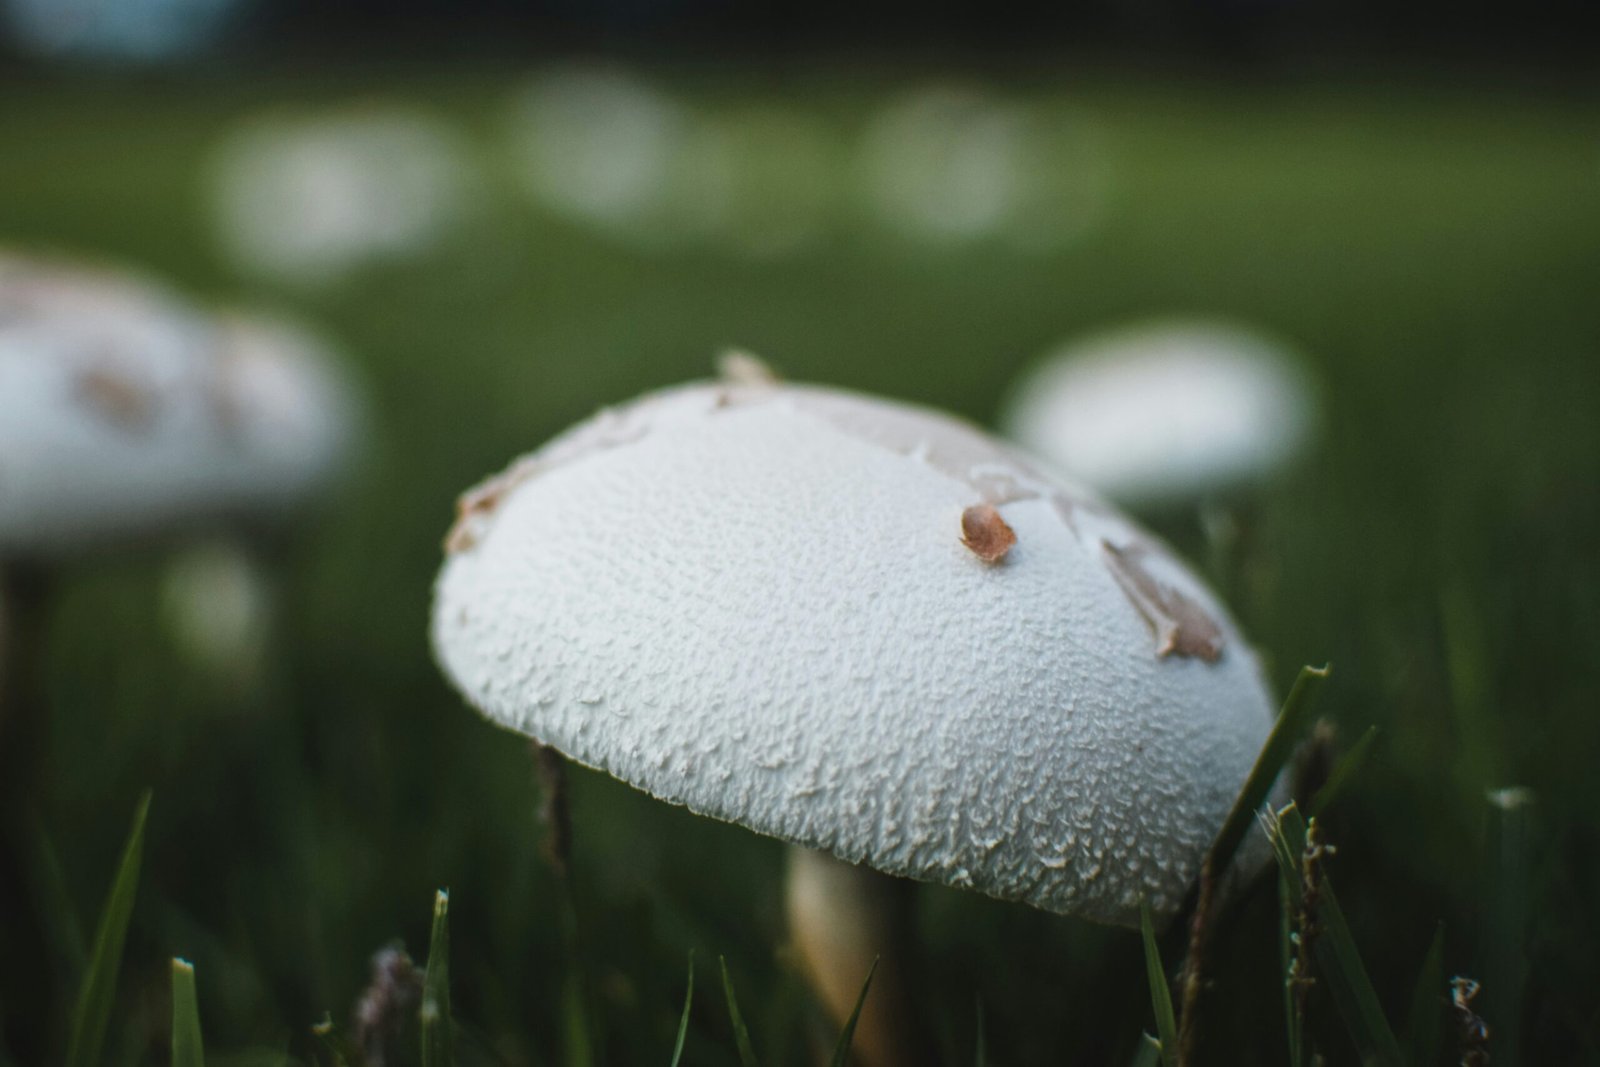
(1432, 245)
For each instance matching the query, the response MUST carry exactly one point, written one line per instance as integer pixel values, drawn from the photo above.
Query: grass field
(1435, 249)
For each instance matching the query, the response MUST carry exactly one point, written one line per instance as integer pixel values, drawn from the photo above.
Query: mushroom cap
(125, 414)
(774, 604)
(1165, 411)
(308, 200)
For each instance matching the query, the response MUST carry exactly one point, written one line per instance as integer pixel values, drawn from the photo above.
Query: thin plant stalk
(555, 817)
(1293, 721)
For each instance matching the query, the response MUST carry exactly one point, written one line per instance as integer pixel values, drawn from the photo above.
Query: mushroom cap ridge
(754, 600)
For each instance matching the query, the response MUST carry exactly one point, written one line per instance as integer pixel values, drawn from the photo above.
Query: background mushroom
(127, 419)
(1166, 412)
(309, 200)
(866, 629)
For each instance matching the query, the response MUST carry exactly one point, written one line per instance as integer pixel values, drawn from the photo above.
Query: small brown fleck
(480, 502)
(117, 397)
(1181, 625)
(986, 533)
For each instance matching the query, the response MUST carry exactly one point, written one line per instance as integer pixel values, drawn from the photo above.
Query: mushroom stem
(555, 807)
(841, 918)
(221, 605)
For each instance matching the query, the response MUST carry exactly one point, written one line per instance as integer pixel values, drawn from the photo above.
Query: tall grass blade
(1337, 958)
(438, 1046)
(841, 1051)
(92, 1013)
(575, 1023)
(1160, 992)
(1148, 1054)
(65, 929)
(1343, 774)
(683, 1021)
(1423, 1028)
(741, 1032)
(1294, 719)
(187, 1048)
(1505, 970)
(980, 1043)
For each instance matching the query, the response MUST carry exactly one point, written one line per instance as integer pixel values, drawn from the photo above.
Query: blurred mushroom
(599, 145)
(947, 164)
(129, 31)
(128, 418)
(758, 600)
(1166, 412)
(308, 200)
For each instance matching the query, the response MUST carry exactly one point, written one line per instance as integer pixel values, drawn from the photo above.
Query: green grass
(1160, 991)
(97, 992)
(188, 1048)
(1430, 244)
(438, 1040)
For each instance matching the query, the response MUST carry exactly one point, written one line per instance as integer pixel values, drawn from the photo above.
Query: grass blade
(1294, 719)
(65, 929)
(1148, 1054)
(92, 1013)
(1423, 1028)
(1343, 774)
(741, 1032)
(980, 1049)
(575, 1023)
(1352, 988)
(187, 1048)
(1336, 955)
(841, 1051)
(334, 1043)
(683, 1022)
(438, 1048)
(1160, 992)
(1505, 956)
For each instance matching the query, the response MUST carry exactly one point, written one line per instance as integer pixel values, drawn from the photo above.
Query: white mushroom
(309, 199)
(864, 628)
(1166, 412)
(128, 417)
(948, 164)
(599, 145)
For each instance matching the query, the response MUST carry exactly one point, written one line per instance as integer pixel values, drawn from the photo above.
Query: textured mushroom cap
(1165, 412)
(125, 414)
(771, 604)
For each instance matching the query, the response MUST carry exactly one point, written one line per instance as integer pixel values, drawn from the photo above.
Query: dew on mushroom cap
(1065, 726)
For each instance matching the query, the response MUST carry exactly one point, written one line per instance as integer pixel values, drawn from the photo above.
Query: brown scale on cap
(480, 502)
(735, 366)
(119, 398)
(986, 533)
(1181, 625)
